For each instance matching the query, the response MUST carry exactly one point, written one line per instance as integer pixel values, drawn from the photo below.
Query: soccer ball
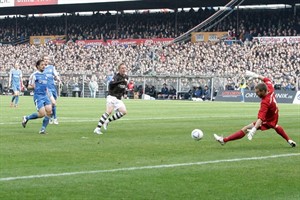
(197, 134)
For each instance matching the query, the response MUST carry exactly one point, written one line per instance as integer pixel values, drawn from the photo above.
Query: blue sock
(32, 116)
(16, 100)
(54, 112)
(45, 122)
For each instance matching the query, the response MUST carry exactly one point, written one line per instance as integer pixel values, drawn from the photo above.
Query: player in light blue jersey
(52, 75)
(16, 82)
(38, 81)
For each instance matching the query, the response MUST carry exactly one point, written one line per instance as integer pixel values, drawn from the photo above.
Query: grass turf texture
(154, 133)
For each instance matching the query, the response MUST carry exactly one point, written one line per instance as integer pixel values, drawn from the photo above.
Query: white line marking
(147, 167)
(83, 120)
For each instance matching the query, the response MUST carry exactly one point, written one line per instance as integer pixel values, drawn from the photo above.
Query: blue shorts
(41, 101)
(16, 88)
(53, 93)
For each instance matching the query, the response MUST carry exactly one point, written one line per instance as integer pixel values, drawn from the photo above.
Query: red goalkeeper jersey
(268, 111)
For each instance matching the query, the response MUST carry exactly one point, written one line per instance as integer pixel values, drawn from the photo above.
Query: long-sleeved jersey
(268, 111)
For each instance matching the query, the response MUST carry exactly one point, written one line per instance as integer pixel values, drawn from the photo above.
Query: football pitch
(148, 154)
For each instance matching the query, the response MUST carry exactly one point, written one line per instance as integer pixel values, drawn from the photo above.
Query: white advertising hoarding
(7, 3)
(89, 1)
(20, 3)
(297, 98)
(278, 39)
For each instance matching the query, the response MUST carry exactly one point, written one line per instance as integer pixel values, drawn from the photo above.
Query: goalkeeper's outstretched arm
(254, 75)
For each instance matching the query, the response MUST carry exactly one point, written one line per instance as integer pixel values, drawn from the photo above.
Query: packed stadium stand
(251, 23)
(213, 59)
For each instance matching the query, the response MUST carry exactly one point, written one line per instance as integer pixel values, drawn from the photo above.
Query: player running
(16, 82)
(267, 115)
(38, 82)
(52, 74)
(116, 90)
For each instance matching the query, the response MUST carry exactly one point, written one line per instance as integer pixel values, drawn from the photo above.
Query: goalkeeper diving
(267, 117)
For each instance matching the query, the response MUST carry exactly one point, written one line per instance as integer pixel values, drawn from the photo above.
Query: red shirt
(130, 86)
(268, 111)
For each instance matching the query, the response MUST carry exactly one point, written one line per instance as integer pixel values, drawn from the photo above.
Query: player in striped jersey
(116, 90)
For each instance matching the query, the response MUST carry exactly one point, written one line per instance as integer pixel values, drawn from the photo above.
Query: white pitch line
(147, 167)
(78, 120)
(83, 120)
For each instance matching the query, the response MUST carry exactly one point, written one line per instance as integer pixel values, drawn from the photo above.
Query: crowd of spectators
(242, 24)
(279, 61)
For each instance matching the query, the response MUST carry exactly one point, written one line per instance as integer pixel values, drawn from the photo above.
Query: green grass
(154, 133)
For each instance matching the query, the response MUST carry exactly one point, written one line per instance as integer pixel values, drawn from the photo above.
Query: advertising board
(35, 2)
(20, 3)
(126, 41)
(7, 3)
(297, 98)
(207, 36)
(250, 96)
(272, 40)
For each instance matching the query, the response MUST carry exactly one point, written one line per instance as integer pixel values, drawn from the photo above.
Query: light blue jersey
(51, 73)
(40, 82)
(15, 77)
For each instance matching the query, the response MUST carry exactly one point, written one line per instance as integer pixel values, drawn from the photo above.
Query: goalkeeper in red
(267, 115)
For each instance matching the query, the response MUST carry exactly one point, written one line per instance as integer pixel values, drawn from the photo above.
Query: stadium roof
(131, 5)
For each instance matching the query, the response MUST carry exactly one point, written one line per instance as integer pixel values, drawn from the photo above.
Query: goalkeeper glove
(251, 74)
(251, 133)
